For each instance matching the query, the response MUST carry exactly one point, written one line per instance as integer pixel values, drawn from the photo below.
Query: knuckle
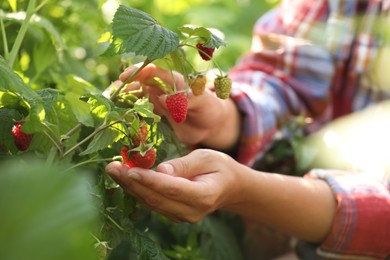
(152, 201)
(173, 192)
(207, 204)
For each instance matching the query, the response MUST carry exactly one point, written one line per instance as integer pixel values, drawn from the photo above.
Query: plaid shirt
(317, 59)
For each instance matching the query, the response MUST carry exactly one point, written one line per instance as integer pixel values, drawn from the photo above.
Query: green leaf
(218, 240)
(179, 60)
(100, 107)
(105, 138)
(134, 31)
(7, 118)
(45, 212)
(41, 23)
(74, 84)
(80, 109)
(145, 109)
(210, 39)
(49, 96)
(43, 56)
(10, 99)
(146, 248)
(13, 4)
(11, 82)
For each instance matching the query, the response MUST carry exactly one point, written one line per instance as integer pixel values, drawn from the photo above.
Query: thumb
(195, 163)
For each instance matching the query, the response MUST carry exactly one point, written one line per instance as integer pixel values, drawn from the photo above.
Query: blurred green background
(67, 37)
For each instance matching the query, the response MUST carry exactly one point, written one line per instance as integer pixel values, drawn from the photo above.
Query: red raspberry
(177, 106)
(147, 161)
(137, 160)
(141, 135)
(21, 139)
(205, 53)
(125, 154)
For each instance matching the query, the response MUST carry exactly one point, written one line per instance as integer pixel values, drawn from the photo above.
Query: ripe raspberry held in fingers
(125, 154)
(177, 105)
(205, 53)
(22, 140)
(136, 159)
(147, 161)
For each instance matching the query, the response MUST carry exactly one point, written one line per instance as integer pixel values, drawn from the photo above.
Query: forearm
(301, 207)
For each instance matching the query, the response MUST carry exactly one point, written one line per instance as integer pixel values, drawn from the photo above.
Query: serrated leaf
(134, 31)
(210, 40)
(146, 248)
(218, 240)
(179, 60)
(52, 218)
(80, 109)
(105, 138)
(145, 109)
(49, 96)
(100, 107)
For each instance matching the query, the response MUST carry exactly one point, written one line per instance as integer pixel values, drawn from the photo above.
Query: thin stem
(74, 130)
(41, 5)
(91, 161)
(115, 223)
(22, 32)
(58, 146)
(211, 58)
(51, 156)
(97, 130)
(114, 95)
(4, 36)
(172, 76)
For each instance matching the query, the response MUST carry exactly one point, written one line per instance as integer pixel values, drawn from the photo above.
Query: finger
(147, 74)
(175, 188)
(173, 208)
(107, 92)
(198, 162)
(144, 190)
(133, 86)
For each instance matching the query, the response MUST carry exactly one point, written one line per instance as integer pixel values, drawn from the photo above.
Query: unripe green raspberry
(222, 86)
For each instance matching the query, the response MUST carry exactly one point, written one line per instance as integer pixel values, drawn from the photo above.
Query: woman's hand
(211, 121)
(184, 189)
(189, 188)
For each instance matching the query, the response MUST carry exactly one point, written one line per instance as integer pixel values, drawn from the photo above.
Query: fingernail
(168, 168)
(113, 172)
(134, 175)
(135, 84)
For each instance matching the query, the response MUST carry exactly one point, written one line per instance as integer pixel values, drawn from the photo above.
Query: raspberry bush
(67, 129)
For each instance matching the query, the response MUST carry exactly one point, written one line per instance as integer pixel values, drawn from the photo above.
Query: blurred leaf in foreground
(46, 213)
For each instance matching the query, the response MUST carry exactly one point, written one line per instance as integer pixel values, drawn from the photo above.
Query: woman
(316, 58)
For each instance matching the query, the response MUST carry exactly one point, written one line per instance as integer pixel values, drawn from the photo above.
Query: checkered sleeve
(361, 227)
(282, 76)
